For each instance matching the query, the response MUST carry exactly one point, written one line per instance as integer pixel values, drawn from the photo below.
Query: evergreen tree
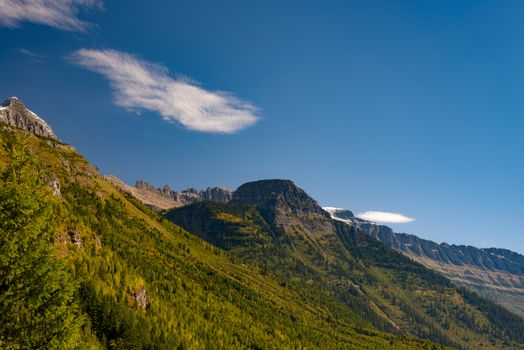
(37, 306)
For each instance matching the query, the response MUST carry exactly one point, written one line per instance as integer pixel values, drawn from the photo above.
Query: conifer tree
(37, 303)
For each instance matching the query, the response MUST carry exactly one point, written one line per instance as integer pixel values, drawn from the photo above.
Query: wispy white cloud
(31, 56)
(140, 85)
(385, 217)
(60, 14)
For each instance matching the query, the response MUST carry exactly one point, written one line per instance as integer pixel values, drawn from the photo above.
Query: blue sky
(411, 107)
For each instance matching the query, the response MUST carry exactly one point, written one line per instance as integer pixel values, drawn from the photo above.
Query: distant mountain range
(496, 273)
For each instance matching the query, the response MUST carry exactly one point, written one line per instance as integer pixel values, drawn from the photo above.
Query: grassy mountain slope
(276, 227)
(145, 283)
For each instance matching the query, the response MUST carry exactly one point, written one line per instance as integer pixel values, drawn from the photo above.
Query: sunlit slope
(278, 228)
(146, 283)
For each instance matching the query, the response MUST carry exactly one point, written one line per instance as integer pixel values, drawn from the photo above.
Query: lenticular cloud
(140, 85)
(385, 217)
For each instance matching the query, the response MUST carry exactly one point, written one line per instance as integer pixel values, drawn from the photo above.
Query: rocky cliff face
(14, 113)
(498, 273)
(191, 195)
(217, 194)
(211, 194)
(275, 192)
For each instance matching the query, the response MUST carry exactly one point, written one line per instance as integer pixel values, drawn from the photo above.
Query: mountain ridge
(165, 198)
(499, 271)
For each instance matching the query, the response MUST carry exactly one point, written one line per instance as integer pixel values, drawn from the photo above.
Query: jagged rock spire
(14, 113)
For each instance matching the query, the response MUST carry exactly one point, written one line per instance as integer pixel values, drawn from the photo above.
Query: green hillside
(85, 266)
(276, 227)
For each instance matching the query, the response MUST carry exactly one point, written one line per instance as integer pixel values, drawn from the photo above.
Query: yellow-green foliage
(342, 269)
(228, 217)
(199, 298)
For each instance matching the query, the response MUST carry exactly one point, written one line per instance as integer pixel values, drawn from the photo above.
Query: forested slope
(85, 266)
(276, 227)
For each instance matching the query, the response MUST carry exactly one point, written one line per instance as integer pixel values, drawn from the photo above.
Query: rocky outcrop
(141, 298)
(145, 193)
(217, 194)
(189, 196)
(14, 113)
(71, 237)
(54, 186)
(76, 239)
(141, 185)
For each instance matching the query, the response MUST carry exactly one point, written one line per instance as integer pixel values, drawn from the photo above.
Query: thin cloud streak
(385, 217)
(140, 85)
(60, 14)
(32, 56)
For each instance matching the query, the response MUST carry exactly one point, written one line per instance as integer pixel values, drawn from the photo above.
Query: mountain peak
(261, 191)
(14, 113)
(277, 193)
